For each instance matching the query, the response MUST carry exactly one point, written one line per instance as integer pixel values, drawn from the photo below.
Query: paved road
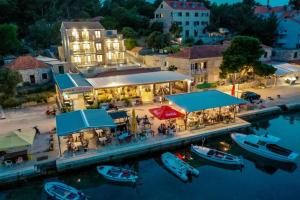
(35, 115)
(26, 118)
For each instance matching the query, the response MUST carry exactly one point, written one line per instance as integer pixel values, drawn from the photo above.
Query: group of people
(143, 120)
(166, 130)
(72, 144)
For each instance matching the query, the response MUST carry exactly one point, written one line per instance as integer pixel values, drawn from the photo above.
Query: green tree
(128, 32)
(295, 4)
(158, 40)
(130, 43)
(189, 42)
(42, 34)
(109, 22)
(242, 57)
(157, 26)
(8, 82)
(175, 30)
(8, 39)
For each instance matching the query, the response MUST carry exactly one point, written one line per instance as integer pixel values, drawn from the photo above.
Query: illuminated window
(99, 58)
(77, 59)
(75, 33)
(86, 46)
(109, 55)
(85, 34)
(98, 46)
(116, 45)
(98, 34)
(88, 59)
(75, 47)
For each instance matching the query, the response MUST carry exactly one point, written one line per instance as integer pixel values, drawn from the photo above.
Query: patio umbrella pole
(59, 146)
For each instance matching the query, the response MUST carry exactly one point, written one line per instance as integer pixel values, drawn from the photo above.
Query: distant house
(200, 62)
(193, 17)
(32, 70)
(288, 38)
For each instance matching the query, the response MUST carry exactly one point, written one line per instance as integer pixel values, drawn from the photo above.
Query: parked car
(250, 96)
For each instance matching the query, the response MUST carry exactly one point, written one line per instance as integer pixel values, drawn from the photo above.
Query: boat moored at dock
(265, 146)
(216, 156)
(117, 174)
(61, 191)
(178, 166)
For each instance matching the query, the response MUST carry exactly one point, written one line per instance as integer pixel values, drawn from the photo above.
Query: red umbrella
(165, 112)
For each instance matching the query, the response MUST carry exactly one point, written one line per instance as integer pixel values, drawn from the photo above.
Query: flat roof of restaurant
(137, 79)
(284, 68)
(198, 101)
(71, 122)
(69, 81)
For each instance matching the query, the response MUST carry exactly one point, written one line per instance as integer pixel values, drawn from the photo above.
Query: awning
(16, 139)
(197, 101)
(165, 112)
(72, 83)
(137, 79)
(68, 123)
(283, 68)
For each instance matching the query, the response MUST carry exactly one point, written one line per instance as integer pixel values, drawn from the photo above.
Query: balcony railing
(198, 71)
(83, 51)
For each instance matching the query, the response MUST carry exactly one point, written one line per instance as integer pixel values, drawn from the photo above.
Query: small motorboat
(61, 191)
(216, 156)
(265, 146)
(117, 174)
(178, 166)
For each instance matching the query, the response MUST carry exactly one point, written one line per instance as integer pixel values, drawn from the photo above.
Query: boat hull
(103, 170)
(236, 162)
(240, 138)
(57, 190)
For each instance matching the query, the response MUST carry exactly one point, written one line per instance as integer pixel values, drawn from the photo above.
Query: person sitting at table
(160, 131)
(138, 120)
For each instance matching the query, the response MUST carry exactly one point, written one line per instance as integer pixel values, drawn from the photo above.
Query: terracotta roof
(82, 25)
(180, 5)
(26, 62)
(266, 9)
(128, 71)
(204, 51)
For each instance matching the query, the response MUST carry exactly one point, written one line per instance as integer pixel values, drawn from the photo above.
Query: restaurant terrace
(97, 129)
(76, 92)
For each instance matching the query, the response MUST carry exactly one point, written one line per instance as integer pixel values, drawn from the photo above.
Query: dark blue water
(260, 179)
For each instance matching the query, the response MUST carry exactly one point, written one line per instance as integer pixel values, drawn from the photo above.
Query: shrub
(206, 85)
(11, 103)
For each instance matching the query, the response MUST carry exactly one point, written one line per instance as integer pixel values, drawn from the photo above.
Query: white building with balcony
(88, 45)
(193, 17)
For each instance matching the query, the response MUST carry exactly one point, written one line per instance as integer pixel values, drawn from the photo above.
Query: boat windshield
(251, 144)
(261, 143)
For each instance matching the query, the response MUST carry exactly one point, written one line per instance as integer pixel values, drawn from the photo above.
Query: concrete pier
(142, 147)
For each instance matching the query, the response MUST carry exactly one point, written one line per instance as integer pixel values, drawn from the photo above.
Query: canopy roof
(196, 101)
(16, 139)
(71, 82)
(285, 68)
(165, 112)
(137, 79)
(68, 123)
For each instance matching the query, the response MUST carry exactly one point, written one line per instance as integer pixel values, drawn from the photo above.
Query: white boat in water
(61, 191)
(178, 167)
(265, 146)
(117, 174)
(216, 156)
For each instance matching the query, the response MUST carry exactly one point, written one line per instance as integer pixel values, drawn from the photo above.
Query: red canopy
(165, 112)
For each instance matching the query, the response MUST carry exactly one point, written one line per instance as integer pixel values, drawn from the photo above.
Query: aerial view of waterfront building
(144, 99)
